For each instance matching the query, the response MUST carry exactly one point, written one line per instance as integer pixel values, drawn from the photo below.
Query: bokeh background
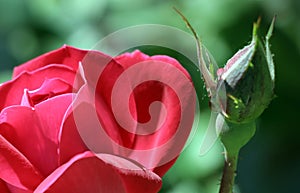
(270, 162)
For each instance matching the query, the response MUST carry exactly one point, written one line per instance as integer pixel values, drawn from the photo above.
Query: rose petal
(12, 91)
(144, 95)
(105, 173)
(162, 170)
(66, 55)
(16, 169)
(26, 99)
(49, 89)
(169, 60)
(34, 132)
(70, 142)
(3, 187)
(129, 59)
(14, 189)
(151, 91)
(116, 139)
(103, 103)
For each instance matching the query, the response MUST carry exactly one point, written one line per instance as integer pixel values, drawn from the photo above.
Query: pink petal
(26, 99)
(34, 132)
(151, 91)
(11, 92)
(49, 89)
(3, 187)
(128, 59)
(103, 100)
(105, 173)
(70, 142)
(114, 139)
(16, 169)
(66, 55)
(14, 189)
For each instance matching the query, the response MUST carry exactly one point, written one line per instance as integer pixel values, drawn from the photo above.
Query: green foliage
(4, 76)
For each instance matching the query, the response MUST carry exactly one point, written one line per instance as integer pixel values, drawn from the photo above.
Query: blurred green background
(270, 163)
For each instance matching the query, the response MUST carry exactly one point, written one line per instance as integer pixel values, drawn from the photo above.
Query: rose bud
(248, 79)
(242, 90)
(239, 92)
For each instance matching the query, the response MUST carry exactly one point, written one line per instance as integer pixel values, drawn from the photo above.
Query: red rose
(60, 130)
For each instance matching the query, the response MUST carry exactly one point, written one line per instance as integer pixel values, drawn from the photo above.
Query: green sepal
(248, 80)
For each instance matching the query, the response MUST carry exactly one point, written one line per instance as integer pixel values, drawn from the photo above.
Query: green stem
(233, 136)
(229, 173)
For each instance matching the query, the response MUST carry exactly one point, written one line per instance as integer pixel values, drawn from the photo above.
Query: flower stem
(233, 136)
(229, 173)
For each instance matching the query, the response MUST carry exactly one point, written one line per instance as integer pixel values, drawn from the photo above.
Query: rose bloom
(41, 148)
